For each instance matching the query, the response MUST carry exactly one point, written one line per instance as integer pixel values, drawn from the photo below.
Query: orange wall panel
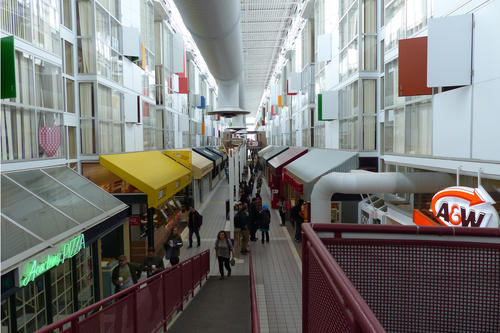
(413, 67)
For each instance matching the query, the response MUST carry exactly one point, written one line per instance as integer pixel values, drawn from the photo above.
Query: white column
(231, 196)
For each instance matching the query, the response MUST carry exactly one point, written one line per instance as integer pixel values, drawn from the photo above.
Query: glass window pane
(416, 15)
(46, 25)
(18, 133)
(86, 56)
(56, 194)
(85, 188)
(370, 16)
(369, 129)
(48, 85)
(15, 240)
(72, 142)
(70, 95)
(88, 136)
(394, 27)
(87, 100)
(16, 18)
(84, 23)
(15, 201)
(68, 58)
(67, 14)
(24, 78)
(369, 53)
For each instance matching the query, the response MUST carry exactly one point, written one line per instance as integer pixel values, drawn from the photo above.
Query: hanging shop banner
(461, 206)
(36, 267)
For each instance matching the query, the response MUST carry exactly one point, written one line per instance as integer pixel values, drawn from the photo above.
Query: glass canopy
(42, 207)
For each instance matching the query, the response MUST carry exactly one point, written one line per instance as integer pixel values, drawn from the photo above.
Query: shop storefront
(218, 167)
(156, 188)
(301, 175)
(51, 220)
(201, 168)
(266, 157)
(276, 166)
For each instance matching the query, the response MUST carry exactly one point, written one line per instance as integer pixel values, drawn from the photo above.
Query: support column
(231, 192)
(151, 227)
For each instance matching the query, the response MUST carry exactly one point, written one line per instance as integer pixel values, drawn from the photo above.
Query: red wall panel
(413, 67)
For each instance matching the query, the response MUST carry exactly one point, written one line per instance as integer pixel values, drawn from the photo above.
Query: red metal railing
(144, 307)
(373, 278)
(253, 299)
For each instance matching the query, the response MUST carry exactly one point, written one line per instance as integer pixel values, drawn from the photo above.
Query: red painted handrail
(253, 300)
(160, 282)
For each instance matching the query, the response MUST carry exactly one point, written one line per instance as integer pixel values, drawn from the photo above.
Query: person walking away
(298, 218)
(282, 210)
(253, 214)
(237, 225)
(194, 225)
(265, 222)
(173, 247)
(125, 274)
(244, 222)
(223, 251)
(152, 263)
(258, 202)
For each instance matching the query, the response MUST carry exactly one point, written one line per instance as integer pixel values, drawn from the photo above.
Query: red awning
(295, 184)
(288, 156)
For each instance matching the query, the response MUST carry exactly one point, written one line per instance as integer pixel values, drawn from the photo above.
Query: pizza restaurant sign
(461, 206)
(34, 268)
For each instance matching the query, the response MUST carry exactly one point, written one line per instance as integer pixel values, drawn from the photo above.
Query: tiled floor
(276, 264)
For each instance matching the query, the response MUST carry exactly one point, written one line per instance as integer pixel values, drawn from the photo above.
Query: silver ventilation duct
(216, 28)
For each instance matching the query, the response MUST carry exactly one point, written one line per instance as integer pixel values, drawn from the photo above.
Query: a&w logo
(464, 207)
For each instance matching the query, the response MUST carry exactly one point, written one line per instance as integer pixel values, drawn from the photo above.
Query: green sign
(35, 268)
(8, 67)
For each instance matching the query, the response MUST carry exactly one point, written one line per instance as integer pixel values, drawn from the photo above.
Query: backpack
(237, 220)
(199, 220)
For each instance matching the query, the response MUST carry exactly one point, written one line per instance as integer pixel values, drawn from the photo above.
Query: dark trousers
(253, 231)
(283, 218)
(197, 233)
(174, 261)
(298, 230)
(265, 234)
(223, 261)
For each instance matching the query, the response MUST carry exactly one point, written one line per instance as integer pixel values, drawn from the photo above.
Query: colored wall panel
(413, 67)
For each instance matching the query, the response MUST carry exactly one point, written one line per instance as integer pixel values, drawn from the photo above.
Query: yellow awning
(199, 164)
(158, 176)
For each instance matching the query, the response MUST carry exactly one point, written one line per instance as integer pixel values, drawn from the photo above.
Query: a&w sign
(461, 206)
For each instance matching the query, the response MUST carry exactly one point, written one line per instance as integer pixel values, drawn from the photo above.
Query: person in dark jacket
(152, 263)
(125, 274)
(253, 214)
(173, 247)
(265, 221)
(244, 224)
(298, 219)
(194, 225)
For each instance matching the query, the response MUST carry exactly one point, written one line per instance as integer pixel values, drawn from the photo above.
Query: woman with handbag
(223, 251)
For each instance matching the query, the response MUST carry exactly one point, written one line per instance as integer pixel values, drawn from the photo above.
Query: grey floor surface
(220, 306)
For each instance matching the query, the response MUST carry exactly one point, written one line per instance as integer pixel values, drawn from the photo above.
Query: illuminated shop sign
(461, 206)
(34, 268)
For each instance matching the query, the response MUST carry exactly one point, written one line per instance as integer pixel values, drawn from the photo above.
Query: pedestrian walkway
(277, 266)
(220, 306)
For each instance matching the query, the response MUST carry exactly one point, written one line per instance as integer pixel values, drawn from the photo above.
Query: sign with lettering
(30, 270)
(461, 206)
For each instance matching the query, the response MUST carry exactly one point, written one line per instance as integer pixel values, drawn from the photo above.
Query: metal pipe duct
(371, 182)
(216, 28)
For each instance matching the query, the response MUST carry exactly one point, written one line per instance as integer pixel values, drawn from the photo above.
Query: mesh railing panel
(173, 291)
(424, 287)
(323, 302)
(118, 317)
(150, 301)
(187, 278)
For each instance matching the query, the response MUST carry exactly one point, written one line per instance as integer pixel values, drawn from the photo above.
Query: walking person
(223, 251)
(173, 247)
(265, 221)
(282, 207)
(253, 214)
(244, 224)
(298, 218)
(194, 225)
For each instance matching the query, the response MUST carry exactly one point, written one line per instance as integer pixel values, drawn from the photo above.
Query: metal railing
(373, 278)
(145, 307)
(253, 299)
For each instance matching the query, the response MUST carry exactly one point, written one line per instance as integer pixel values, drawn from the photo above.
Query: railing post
(136, 316)
(305, 271)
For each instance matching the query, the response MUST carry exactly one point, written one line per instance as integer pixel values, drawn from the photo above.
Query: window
(16, 17)
(369, 114)
(51, 143)
(61, 290)
(348, 116)
(72, 142)
(85, 276)
(19, 139)
(31, 313)
(24, 79)
(70, 95)
(85, 30)
(48, 85)
(391, 84)
(67, 12)
(110, 117)
(68, 58)
(46, 25)
(419, 128)
(394, 27)
(87, 113)
(416, 15)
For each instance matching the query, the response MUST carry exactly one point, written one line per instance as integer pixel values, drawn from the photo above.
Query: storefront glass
(85, 278)
(61, 288)
(31, 312)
